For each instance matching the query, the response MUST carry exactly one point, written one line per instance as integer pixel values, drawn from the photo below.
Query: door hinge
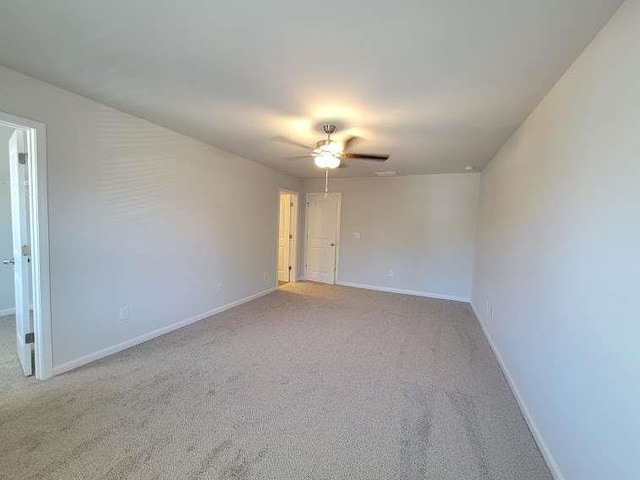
(29, 338)
(26, 250)
(22, 158)
(291, 204)
(290, 236)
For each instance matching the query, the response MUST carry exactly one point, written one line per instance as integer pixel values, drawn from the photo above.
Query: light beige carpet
(310, 382)
(10, 370)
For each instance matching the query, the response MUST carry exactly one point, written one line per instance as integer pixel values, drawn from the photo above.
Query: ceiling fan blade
(298, 157)
(348, 143)
(288, 141)
(366, 156)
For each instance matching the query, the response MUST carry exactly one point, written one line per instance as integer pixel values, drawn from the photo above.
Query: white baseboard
(546, 453)
(7, 311)
(404, 292)
(105, 352)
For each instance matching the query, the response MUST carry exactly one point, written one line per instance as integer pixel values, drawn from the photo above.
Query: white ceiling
(438, 84)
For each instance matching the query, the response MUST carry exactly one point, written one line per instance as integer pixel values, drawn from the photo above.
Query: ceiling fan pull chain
(326, 182)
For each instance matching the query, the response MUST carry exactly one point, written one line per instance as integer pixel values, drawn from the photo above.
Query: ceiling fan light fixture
(334, 147)
(326, 160)
(329, 154)
(328, 146)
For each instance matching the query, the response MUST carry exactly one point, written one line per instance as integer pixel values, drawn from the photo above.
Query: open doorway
(287, 236)
(25, 326)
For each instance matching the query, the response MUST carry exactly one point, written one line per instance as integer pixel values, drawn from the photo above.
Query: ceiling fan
(329, 153)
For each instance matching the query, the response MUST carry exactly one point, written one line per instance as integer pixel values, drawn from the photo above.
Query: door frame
(306, 233)
(293, 245)
(36, 134)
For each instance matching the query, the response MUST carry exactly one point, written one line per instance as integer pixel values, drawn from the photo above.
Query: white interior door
(284, 238)
(322, 237)
(21, 247)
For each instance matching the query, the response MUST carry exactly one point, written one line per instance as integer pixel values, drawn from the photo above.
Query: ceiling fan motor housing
(328, 147)
(329, 128)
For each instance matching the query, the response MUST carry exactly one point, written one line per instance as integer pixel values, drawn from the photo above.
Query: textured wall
(144, 217)
(422, 227)
(558, 258)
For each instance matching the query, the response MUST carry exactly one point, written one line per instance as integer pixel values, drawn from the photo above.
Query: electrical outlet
(220, 286)
(123, 312)
(392, 273)
(265, 276)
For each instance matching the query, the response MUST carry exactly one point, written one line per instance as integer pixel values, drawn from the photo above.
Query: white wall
(558, 256)
(422, 227)
(145, 217)
(7, 301)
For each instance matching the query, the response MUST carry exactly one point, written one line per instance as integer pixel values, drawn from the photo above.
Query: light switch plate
(123, 312)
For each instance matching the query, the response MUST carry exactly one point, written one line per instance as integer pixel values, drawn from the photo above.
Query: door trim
(306, 233)
(293, 246)
(39, 219)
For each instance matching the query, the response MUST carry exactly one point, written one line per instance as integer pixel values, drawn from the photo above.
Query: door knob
(8, 261)
(332, 244)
